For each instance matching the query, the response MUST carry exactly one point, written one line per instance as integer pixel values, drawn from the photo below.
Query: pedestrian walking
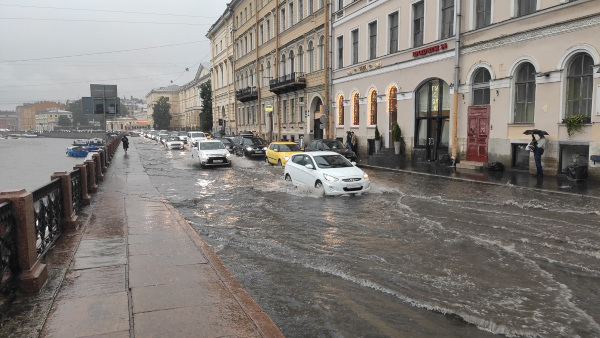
(125, 141)
(354, 144)
(537, 148)
(349, 140)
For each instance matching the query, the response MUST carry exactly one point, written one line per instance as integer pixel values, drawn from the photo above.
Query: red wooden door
(478, 133)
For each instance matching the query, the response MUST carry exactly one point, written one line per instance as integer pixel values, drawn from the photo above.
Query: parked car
(328, 170)
(211, 152)
(227, 142)
(195, 136)
(331, 145)
(280, 152)
(249, 146)
(173, 142)
(183, 136)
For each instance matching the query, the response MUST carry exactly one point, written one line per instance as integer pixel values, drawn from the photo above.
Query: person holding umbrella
(537, 147)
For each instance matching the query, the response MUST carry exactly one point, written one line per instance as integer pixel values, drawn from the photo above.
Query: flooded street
(417, 256)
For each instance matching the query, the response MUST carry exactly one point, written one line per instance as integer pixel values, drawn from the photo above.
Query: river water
(417, 256)
(28, 163)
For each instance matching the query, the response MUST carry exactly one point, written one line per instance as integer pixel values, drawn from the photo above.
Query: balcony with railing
(287, 83)
(246, 94)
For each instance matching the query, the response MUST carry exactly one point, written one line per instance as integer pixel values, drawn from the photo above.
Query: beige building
(223, 90)
(521, 64)
(190, 103)
(171, 93)
(279, 67)
(26, 114)
(47, 119)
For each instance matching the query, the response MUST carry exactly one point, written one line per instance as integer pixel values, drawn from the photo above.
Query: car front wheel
(318, 184)
(288, 178)
(279, 163)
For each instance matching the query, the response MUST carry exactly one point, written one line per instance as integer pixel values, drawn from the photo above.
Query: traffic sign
(324, 119)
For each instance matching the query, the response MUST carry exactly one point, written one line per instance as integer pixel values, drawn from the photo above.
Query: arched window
(251, 84)
(311, 57)
(525, 93)
(282, 69)
(355, 110)
(221, 81)
(580, 79)
(291, 62)
(217, 77)
(261, 74)
(300, 59)
(372, 107)
(340, 109)
(225, 76)
(321, 49)
(392, 99)
(246, 79)
(481, 87)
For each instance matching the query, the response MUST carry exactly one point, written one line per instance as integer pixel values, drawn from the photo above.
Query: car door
(306, 175)
(271, 153)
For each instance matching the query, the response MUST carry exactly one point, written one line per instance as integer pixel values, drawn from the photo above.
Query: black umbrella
(535, 131)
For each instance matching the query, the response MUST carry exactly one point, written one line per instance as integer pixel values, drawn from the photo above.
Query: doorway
(432, 119)
(478, 133)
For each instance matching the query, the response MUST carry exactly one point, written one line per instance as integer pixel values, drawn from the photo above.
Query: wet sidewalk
(135, 268)
(556, 184)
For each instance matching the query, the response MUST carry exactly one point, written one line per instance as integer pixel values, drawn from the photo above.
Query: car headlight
(365, 177)
(228, 155)
(265, 148)
(249, 148)
(330, 178)
(286, 158)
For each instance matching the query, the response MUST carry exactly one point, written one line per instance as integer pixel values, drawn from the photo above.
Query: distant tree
(64, 121)
(162, 113)
(78, 118)
(206, 115)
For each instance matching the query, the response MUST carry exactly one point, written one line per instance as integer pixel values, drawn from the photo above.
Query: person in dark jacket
(349, 140)
(125, 141)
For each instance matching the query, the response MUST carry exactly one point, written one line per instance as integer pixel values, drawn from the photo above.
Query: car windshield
(333, 145)
(251, 141)
(197, 135)
(211, 145)
(173, 139)
(182, 133)
(332, 161)
(289, 147)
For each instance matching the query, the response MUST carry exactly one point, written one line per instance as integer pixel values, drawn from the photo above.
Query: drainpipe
(327, 67)
(258, 77)
(277, 65)
(457, 30)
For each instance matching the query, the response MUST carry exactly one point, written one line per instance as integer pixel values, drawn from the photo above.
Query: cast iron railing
(48, 210)
(9, 265)
(76, 189)
(287, 83)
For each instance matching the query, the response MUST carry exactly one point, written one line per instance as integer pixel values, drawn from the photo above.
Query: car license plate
(353, 185)
(217, 161)
(258, 151)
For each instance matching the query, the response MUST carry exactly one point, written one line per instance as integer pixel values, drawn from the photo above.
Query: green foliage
(574, 123)
(397, 133)
(64, 121)
(206, 116)
(377, 135)
(162, 113)
(78, 118)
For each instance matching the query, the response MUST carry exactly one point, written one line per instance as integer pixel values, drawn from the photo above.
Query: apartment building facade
(190, 103)
(26, 114)
(279, 68)
(171, 93)
(221, 35)
(515, 65)
(47, 119)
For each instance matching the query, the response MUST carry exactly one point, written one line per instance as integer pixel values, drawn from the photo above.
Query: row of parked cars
(325, 164)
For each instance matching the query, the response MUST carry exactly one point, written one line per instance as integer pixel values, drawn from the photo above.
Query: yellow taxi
(279, 152)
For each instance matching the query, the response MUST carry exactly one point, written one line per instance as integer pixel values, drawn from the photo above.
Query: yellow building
(26, 114)
(190, 103)
(171, 93)
(47, 120)
(280, 59)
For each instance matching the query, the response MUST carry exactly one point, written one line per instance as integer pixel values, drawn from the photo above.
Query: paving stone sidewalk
(135, 268)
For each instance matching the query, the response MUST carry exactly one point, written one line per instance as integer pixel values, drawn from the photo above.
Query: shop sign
(431, 49)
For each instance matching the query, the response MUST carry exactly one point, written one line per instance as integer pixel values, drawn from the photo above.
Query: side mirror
(276, 150)
(353, 163)
(309, 166)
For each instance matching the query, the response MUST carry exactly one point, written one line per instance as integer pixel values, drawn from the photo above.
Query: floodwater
(28, 163)
(417, 256)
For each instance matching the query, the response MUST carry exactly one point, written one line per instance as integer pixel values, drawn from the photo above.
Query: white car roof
(321, 153)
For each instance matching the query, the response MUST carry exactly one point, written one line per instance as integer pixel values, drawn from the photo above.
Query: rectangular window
(282, 19)
(418, 23)
(284, 115)
(268, 29)
(526, 7)
(340, 44)
(373, 40)
(355, 46)
(340, 5)
(447, 18)
(300, 10)
(292, 110)
(261, 35)
(291, 12)
(483, 13)
(393, 35)
(311, 7)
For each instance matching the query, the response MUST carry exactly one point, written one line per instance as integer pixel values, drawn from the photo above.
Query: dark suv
(331, 145)
(249, 146)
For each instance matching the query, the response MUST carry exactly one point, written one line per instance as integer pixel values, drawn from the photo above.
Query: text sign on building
(268, 108)
(429, 50)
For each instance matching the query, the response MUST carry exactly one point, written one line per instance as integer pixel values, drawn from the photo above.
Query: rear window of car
(288, 147)
(251, 141)
(192, 135)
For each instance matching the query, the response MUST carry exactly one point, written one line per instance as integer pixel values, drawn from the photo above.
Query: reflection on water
(417, 256)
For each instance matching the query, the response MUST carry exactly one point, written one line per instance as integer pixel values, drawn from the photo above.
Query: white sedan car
(173, 143)
(211, 152)
(326, 169)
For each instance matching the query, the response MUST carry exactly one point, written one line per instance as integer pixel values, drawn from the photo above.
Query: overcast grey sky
(42, 43)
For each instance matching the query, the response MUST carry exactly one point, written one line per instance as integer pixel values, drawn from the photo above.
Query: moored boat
(77, 151)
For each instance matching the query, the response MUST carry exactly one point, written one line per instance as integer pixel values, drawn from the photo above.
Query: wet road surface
(417, 256)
